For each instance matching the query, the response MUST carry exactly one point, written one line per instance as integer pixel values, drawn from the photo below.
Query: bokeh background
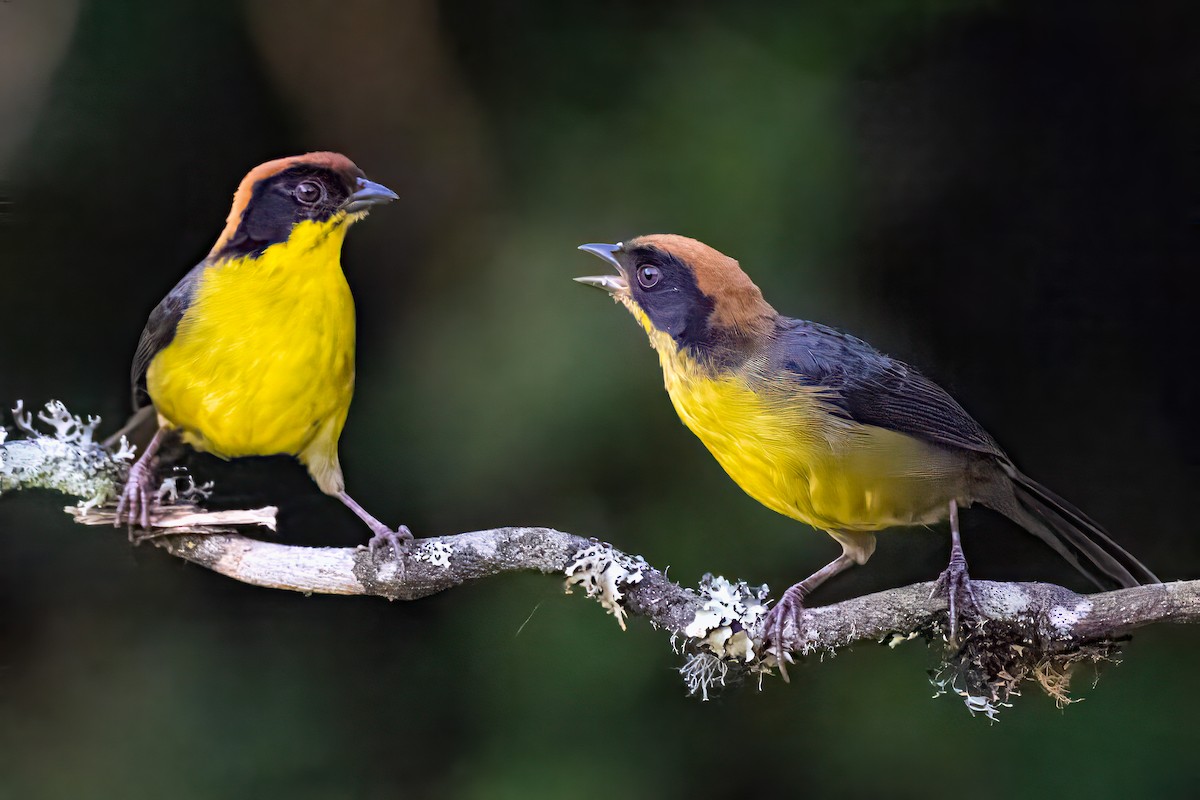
(1003, 194)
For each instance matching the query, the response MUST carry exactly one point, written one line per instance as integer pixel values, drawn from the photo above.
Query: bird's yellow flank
(780, 442)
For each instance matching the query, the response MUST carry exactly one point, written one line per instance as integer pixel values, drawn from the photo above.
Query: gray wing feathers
(870, 388)
(160, 329)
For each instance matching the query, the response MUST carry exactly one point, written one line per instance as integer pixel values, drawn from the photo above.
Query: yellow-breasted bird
(252, 353)
(820, 427)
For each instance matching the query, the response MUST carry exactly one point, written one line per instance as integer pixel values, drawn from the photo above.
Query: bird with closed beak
(821, 427)
(252, 352)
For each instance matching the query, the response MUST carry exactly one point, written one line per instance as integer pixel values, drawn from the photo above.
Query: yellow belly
(783, 448)
(263, 359)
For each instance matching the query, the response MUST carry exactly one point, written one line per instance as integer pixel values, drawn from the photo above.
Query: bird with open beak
(821, 427)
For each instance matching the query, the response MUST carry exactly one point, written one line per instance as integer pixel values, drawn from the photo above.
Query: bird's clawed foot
(955, 581)
(138, 497)
(782, 620)
(400, 540)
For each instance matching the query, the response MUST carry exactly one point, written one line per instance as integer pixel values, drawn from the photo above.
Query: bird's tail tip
(1074, 535)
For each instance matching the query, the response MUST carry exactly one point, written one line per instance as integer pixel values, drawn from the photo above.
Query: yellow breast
(263, 359)
(781, 444)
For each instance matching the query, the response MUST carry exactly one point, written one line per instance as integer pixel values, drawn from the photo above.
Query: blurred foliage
(1001, 193)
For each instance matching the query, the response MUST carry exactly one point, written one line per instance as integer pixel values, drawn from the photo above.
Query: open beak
(609, 283)
(369, 194)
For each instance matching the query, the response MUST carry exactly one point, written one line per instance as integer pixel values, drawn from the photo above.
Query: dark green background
(1003, 194)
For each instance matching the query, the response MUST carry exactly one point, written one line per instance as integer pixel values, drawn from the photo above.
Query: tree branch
(1028, 631)
(1054, 612)
(1024, 631)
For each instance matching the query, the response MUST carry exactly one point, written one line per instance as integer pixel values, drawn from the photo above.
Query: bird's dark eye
(309, 192)
(649, 276)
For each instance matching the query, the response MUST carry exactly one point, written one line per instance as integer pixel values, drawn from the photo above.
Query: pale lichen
(727, 613)
(170, 492)
(1007, 600)
(64, 458)
(436, 553)
(947, 680)
(716, 644)
(896, 639)
(702, 672)
(602, 571)
(1063, 620)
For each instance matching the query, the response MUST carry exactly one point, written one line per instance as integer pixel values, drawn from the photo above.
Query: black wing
(160, 329)
(870, 388)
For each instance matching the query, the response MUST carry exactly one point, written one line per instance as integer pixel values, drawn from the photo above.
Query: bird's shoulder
(868, 387)
(161, 326)
(820, 354)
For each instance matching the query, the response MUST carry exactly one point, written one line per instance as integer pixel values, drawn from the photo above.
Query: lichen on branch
(65, 458)
(1027, 632)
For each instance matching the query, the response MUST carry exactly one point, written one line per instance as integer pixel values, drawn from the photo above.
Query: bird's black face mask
(297, 194)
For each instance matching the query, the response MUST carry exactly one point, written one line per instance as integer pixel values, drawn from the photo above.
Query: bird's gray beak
(609, 283)
(369, 194)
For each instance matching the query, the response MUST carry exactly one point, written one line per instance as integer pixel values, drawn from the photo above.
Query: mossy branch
(1028, 631)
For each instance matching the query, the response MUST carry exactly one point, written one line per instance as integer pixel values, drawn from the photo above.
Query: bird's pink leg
(954, 580)
(137, 498)
(400, 539)
(791, 607)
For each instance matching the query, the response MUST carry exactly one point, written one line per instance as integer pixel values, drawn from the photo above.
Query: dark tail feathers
(1072, 533)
